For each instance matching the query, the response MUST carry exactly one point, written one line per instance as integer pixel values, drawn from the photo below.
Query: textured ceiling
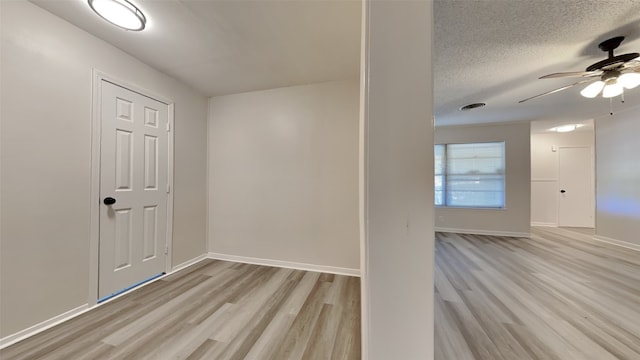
(488, 51)
(494, 51)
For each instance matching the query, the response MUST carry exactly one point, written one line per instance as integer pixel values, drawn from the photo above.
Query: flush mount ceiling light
(120, 13)
(566, 128)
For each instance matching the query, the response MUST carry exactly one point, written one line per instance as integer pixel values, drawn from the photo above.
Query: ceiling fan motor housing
(612, 62)
(611, 44)
(613, 74)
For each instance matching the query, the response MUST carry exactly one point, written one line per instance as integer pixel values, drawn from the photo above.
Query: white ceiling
(233, 46)
(488, 51)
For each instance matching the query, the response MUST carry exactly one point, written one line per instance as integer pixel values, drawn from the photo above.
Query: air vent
(472, 106)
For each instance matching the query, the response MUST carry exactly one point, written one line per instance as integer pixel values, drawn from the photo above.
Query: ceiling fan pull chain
(622, 98)
(611, 106)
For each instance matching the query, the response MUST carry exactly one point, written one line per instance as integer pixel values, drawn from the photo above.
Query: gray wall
(514, 220)
(618, 177)
(46, 70)
(283, 175)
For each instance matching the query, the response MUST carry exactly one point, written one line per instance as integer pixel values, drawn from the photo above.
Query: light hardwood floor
(214, 310)
(559, 295)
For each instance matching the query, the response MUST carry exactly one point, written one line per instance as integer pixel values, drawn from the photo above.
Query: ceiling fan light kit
(629, 80)
(616, 72)
(612, 89)
(592, 90)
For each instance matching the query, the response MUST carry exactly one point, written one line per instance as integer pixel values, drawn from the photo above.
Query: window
(470, 175)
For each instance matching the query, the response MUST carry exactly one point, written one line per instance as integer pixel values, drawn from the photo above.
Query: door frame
(96, 136)
(592, 183)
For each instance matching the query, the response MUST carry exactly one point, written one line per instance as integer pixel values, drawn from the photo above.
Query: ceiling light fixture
(593, 89)
(566, 128)
(120, 13)
(616, 73)
(612, 89)
(629, 80)
(612, 84)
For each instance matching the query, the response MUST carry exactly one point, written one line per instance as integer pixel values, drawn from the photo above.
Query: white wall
(514, 220)
(544, 172)
(46, 70)
(283, 175)
(618, 177)
(397, 207)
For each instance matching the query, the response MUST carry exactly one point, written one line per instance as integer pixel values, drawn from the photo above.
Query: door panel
(576, 203)
(122, 238)
(134, 159)
(150, 226)
(124, 159)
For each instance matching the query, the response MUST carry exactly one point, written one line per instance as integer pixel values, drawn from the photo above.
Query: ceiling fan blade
(634, 65)
(572, 74)
(556, 90)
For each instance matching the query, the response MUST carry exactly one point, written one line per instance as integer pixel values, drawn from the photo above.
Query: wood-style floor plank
(214, 310)
(558, 295)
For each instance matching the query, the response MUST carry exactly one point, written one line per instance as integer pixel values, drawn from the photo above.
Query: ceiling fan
(609, 76)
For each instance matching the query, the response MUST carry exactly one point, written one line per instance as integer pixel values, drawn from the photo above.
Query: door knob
(109, 201)
(562, 191)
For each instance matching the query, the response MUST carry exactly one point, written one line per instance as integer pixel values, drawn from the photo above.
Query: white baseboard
(622, 243)
(37, 328)
(40, 327)
(188, 263)
(484, 232)
(543, 224)
(286, 264)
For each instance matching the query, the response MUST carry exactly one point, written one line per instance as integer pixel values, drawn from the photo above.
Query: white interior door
(576, 203)
(133, 188)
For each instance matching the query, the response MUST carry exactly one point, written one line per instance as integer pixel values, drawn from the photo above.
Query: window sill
(470, 208)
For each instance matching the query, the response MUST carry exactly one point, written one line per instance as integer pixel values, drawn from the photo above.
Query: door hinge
(168, 188)
(166, 249)
(168, 127)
